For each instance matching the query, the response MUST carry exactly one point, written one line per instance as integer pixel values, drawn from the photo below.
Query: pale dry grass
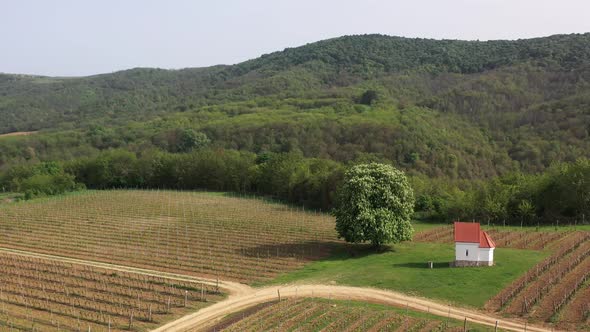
(19, 133)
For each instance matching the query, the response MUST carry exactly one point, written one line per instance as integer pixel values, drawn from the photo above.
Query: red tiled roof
(485, 241)
(471, 232)
(467, 232)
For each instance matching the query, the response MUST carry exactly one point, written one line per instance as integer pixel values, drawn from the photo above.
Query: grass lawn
(404, 268)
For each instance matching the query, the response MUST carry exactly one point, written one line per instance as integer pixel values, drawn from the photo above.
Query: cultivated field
(533, 240)
(190, 233)
(556, 289)
(46, 295)
(254, 241)
(329, 315)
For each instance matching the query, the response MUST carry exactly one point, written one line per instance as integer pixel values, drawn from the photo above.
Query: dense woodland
(495, 131)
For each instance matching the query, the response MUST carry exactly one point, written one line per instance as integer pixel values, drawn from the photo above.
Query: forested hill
(30, 102)
(463, 109)
(372, 55)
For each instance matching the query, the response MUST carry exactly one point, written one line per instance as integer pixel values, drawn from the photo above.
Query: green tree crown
(375, 204)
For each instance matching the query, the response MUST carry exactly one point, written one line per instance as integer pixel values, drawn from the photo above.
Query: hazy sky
(82, 37)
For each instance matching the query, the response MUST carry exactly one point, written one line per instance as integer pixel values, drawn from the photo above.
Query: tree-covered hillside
(372, 55)
(440, 108)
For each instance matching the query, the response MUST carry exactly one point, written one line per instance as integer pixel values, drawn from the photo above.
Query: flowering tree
(375, 204)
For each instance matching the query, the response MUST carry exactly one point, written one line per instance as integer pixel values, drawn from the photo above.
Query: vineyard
(324, 315)
(556, 289)
(533, 240)
(190, 233)
(237, 239)
(45, 295)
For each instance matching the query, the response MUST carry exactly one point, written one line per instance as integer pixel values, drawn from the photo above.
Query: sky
(85, 37)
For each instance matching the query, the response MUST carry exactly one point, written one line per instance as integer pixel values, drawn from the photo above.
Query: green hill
(458, 109)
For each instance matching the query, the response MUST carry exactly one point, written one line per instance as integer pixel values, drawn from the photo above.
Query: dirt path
(18, 133)
(208, 316)
(243, 296)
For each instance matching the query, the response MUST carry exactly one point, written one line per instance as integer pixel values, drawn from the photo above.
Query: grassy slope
(403, 268)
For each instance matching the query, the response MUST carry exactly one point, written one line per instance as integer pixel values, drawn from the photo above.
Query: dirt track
(208, 316)
(18, 133)
(242, 297)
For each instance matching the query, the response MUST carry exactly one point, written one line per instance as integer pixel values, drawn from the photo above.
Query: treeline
(289, 177)
(560, 194)
(48, 178)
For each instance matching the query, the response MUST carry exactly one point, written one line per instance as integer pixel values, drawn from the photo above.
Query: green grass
(404, 269)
